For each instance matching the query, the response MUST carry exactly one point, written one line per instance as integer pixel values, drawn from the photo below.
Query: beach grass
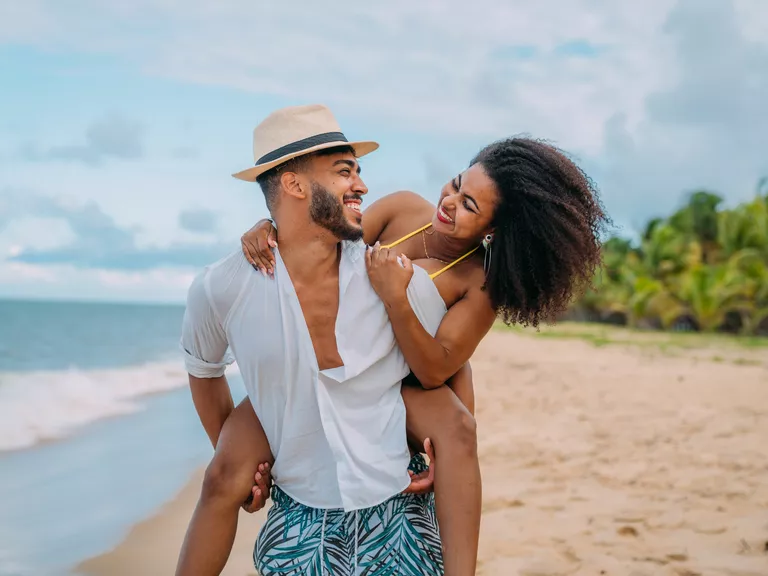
(603, 335)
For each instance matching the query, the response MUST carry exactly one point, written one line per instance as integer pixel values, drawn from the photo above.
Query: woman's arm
(432, 359)
(257, 244)
(461, 385)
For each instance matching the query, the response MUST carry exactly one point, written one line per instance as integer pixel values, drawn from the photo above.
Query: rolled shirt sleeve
(203, 340)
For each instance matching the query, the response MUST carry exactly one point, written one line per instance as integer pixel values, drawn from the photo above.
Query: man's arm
(213, 402)
(204, 343)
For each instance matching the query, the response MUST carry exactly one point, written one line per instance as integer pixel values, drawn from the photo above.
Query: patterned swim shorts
(398, 537)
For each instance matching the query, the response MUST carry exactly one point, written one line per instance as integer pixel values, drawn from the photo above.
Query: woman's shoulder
(396, 203)
(473, 297)
(407, 211)
(410, 198)
(391, 213)
(467, 281)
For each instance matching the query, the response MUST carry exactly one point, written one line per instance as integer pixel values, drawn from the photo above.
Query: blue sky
(122, 124)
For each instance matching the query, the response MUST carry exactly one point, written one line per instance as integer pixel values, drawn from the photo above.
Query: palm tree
(751, 264)
(699, 220)
(708, 294)
(701, 263)
(663, 252)
(651, 226)
(746, 226)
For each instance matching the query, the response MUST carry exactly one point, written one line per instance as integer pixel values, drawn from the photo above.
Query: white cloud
(109, 137)
(198, 220)
(438, 66)
(668, 94)
(706, 129)
(21, 280)
(22, 272)
(163, 277)
(448, 67)
(95, 240)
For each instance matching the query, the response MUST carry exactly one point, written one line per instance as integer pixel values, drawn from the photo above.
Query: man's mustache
(348, 197)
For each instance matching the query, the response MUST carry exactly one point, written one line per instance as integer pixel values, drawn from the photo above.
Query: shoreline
(152, 545)
(595, 459)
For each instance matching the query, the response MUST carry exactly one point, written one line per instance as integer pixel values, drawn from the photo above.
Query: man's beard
(327, 211)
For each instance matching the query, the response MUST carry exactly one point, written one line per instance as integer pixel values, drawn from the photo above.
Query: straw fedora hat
(295, 131)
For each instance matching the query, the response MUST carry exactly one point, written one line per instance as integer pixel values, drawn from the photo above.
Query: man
(321, 366)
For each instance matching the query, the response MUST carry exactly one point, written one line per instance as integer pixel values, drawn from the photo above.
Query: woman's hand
(257, 246)
(388, 277)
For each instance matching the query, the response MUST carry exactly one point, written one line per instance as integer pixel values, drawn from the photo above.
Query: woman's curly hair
(546, 244)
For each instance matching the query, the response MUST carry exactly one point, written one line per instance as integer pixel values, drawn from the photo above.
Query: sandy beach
(603, 452)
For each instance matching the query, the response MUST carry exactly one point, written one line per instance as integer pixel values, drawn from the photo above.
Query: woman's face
(467, 204)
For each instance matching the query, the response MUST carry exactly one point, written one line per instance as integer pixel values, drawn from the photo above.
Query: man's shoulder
(222, 280)
(229, 267)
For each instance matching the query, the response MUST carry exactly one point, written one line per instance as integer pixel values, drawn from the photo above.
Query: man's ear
(293, 185)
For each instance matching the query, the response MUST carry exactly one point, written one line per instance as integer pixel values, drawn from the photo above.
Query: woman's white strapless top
(425, 300)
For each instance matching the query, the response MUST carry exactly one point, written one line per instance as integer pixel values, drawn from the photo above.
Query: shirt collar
(352, 250)
(351, 263)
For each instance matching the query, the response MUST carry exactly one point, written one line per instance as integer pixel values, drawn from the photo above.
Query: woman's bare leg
(228, 482)
(440, 416)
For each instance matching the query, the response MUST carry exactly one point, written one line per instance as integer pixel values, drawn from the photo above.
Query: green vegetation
(703, 269)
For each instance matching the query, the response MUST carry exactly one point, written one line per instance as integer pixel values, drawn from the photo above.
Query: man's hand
(260, 492)
(423, 482)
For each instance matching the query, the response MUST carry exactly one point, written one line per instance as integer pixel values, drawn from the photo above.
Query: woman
(514, 236)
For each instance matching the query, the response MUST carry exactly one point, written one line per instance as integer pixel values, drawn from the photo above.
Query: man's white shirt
(338, 436)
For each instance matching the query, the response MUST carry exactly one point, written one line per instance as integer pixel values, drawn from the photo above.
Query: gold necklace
(426, 253)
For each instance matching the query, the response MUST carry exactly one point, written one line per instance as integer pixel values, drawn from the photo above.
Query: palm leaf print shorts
(398, 537)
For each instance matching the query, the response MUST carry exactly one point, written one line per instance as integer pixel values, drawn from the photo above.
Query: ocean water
(97, 427)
